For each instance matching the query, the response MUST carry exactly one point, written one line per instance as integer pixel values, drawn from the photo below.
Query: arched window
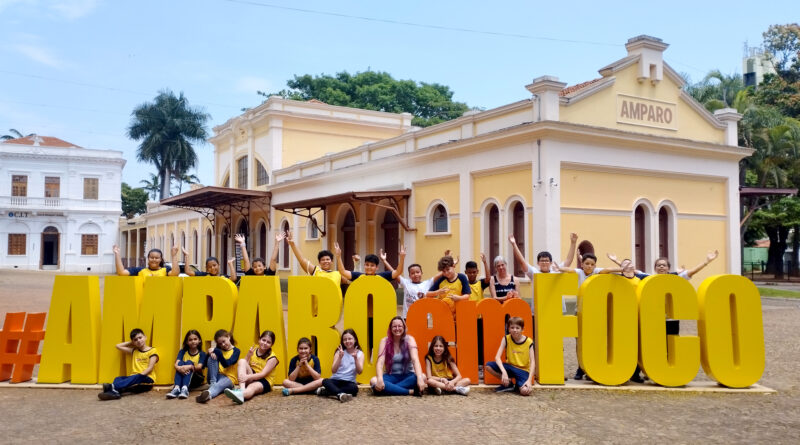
(263, 177)
(241, 172)
(245, 231)
(666, 232)
(518, 229)
(439, 220)
(262, 240)
(391, 237)
(209, 245)
(311, 228)
(640, 237)
(348, 243)
(491, 218)
(195, 247)
(223, 254)
(285, 246)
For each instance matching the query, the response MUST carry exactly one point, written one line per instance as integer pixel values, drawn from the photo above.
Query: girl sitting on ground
(304, 371)
(443, 375)
(255, 370)
(188, 366)
(222, 359)
(348, 361)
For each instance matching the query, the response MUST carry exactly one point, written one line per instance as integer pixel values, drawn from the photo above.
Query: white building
(59, 205)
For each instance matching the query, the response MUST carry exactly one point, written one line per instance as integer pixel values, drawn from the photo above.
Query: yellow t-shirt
(160, 272)
(141, 360)
(257, 363)
(187, 357)
(334, 275)
(477, 291)
(518, 354)
(231, 371)
(439, 369)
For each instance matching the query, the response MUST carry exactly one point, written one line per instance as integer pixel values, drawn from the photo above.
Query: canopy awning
(395, 197)
(210, 201)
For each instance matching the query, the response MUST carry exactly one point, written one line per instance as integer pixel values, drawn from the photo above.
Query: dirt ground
(549, 416)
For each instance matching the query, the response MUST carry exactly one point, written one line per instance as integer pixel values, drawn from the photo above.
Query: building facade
(628, 161)
(59, 205)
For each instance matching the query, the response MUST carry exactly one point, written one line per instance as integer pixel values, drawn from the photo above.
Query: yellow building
(629, 161)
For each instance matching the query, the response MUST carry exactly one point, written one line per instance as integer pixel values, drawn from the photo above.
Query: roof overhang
(304, 207)
(210, 201)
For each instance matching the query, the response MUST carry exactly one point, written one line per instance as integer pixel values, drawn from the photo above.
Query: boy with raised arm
(413, 286)
(143, 374)
(451, 286)
(324, 258)
(258, 266)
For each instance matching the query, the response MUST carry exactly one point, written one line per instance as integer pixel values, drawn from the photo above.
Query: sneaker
(235, 395)
(322, 391)
(437, 391)
(184, 393)
(204, 397)
(463, 390)
(344, 397)
(637, 378)
(502, 388)
(285, 391)
(174, 393)
(110, 395)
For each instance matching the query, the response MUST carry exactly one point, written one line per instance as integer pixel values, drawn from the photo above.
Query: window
(640, 237)
(285, 247)
(518, 227)
(263, 176)
(88, 244)
(90, 188)
(16, 244)
(313, 232)
(19, 185)
(52, 186)
(241, 172)
(439, 219)
(493, 237)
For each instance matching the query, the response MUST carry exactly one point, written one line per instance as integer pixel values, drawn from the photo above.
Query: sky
(76, 69)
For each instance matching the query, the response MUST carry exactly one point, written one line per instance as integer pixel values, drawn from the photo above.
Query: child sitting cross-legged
(304, 371)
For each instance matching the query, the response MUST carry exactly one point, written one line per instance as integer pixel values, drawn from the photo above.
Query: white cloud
(251, 84)
(74, 9)
(5, 4)
(37, 54)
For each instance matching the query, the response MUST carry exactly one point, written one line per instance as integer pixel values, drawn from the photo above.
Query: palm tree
(153, 186)
(14, 135)
(185, 179)
(167, 128)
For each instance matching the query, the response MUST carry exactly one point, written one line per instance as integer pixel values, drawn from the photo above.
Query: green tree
(134, 201)
(429, 103)
(152, 186)
(185, 179)
(716, 90)
(167, 128)
(782, 90)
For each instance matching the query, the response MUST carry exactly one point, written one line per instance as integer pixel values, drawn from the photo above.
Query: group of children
(240, 379)
(252, 374)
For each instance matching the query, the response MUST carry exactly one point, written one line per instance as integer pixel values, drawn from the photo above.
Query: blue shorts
(517, 375)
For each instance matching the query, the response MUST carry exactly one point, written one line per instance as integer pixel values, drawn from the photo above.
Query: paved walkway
(550, 416)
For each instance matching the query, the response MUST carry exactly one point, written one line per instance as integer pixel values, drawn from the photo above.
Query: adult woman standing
(398, 371)
(502, 285)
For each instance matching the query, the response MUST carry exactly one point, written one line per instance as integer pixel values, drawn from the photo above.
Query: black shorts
(304, 380)
(264, 384)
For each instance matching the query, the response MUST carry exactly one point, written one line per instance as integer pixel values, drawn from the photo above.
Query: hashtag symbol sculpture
(19, 345)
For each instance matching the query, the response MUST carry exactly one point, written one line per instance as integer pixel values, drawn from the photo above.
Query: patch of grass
(770, 292)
